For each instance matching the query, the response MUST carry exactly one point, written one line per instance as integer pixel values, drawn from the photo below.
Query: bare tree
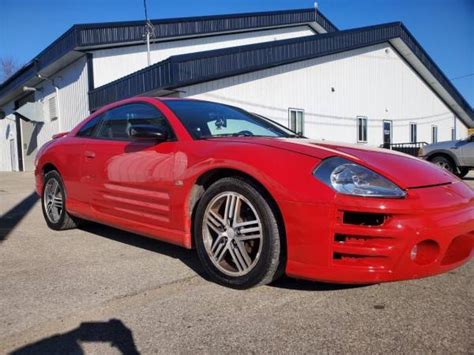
(8, 66)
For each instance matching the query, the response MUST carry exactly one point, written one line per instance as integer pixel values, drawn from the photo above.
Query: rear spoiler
(59, 135)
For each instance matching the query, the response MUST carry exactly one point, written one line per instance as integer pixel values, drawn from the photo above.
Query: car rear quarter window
(116, 122)
(88, 129)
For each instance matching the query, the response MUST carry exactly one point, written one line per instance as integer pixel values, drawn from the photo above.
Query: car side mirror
(147, 132)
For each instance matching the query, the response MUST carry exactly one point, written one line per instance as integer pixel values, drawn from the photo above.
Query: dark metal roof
(87, 36)
(134, 31)
(193, 68)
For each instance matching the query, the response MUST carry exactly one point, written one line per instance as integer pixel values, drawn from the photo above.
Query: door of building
(28, 136)
(387, 133)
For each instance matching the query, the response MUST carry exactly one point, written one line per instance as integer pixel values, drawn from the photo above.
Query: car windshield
(205, 119)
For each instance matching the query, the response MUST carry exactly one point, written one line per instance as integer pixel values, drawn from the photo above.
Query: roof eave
(87, 36)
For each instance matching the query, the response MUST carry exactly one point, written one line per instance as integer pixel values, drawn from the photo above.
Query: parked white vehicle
(455, 156)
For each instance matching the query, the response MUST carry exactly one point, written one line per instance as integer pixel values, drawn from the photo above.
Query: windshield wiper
(223, 135)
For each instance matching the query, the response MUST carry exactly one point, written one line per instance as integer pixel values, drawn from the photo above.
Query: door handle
(89, 155)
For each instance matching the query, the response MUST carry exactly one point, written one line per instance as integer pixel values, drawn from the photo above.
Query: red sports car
(253, 198)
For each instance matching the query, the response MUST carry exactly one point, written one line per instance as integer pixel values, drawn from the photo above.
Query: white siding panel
(73, 108)
(73, 101)
(373, 82)
(114, 63)
(461, 129)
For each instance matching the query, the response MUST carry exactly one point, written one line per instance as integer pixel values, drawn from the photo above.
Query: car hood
(441, 145)
(404, 170)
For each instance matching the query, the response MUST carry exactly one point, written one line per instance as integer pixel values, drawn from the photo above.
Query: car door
(130, 182)
(466, 151)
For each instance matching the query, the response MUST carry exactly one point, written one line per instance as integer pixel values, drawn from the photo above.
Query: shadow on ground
(113, 332)
(305, 285)
(189, 257)
(12, 217)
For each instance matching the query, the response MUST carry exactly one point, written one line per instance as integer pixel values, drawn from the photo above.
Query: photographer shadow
(113, 332)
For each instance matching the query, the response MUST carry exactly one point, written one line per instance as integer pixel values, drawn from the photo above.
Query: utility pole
(149, 32)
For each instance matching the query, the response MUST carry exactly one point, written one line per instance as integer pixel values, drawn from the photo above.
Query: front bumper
(325, 246)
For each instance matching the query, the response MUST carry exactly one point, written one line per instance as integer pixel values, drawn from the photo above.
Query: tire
(55, 213)
(248, 246)
(462, 172)
(444, 163)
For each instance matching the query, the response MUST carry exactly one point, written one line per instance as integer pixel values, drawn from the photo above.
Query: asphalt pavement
(98, 290)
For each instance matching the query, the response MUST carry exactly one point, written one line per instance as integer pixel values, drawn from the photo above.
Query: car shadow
(113, 332)
(190, 258)
(289, 283)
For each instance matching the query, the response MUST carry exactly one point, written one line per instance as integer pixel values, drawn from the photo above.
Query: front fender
(453, 156)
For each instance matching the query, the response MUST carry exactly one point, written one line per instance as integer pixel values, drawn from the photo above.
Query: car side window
(117, 121)
(88, 129)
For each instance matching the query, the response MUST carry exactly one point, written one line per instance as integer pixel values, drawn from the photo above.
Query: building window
(296, 120)
(434, 134)
(362, 129)
(53, 108)
(453, 134)
(413, 129)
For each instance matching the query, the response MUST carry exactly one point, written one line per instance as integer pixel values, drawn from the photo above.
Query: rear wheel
(237, 235)
(444, 163)
(53, 202)
(462, 172)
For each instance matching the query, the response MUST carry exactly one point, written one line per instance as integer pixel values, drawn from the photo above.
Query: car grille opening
(362, 251)
(362, 240)
(364, 219)
(360, 260)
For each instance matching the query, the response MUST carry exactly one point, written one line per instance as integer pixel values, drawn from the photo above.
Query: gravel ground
(100, 290)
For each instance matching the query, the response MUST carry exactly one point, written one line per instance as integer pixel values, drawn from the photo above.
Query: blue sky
(445, 28)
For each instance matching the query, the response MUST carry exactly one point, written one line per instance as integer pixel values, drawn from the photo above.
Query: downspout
(58, 101)
(455, 128)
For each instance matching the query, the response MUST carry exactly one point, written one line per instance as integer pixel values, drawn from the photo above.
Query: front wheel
(462, 172)
(53, 201)
(237, 235)
(444, 163)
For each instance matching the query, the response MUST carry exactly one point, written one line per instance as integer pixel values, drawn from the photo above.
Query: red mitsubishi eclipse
(253, 198)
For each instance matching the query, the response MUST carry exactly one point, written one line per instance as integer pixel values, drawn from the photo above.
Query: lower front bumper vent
(362, 251)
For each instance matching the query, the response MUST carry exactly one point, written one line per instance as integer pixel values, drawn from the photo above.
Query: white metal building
(370, 85)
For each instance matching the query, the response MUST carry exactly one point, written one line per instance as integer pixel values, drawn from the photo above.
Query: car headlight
(349, 178)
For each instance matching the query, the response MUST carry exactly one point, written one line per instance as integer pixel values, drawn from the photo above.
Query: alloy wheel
(232, 232)
(53, 200)
(444, 165)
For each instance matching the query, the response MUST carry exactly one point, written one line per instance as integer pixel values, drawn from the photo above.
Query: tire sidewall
(270, 240)
(462, 172)
(54, 175)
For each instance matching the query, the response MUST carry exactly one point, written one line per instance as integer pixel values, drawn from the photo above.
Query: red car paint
(147, 189)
